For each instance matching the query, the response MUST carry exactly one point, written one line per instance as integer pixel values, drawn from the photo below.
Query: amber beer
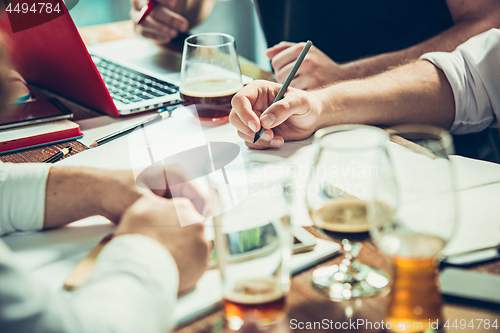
(262, 299)
(415, 304)
(212, 98)
(347, 215)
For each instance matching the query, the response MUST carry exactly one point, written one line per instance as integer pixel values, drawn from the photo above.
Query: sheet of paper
(99, 127)
(180, 132)
(478, 220)
(205, 297)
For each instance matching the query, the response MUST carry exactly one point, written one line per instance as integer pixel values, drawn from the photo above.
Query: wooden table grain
(305, 303)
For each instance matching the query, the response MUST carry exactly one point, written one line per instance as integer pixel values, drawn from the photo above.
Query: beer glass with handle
(253, 241)
(414, 232)
(210, 75)
(338, 188)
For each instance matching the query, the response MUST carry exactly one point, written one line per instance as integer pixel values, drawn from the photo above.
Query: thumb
(280, 111)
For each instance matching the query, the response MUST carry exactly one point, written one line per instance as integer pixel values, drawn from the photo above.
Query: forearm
(76, 193)
(133, 289)
(414, 93)
(446, 41)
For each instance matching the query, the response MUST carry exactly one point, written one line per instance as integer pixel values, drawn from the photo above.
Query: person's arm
(318, 70)
(469, 17)
(134, 284)
(38, 196)
(133, 289)
(457, 91)
(414, 93)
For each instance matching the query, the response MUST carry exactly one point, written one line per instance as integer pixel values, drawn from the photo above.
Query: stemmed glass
(210, 75)
(338, 188)
(415, 230)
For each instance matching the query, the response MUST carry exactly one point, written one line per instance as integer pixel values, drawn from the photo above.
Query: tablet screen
(33, 112)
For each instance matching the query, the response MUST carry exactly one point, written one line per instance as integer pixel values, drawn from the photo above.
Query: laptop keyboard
(128, 86)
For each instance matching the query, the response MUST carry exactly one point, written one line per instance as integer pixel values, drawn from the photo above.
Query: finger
(303, 82)
(167, 3)
(170, 18)
(138, 4)
(280, 47)
(240, 126)
(151, 35)
(189, 191)
(280, 111)
(265, 139)
(244, 101)
(151, 25)
(277, 142)
(283, 72)
(187, 213)
(287, 56)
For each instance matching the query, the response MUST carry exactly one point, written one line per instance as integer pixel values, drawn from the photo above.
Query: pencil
(285, 85)
(57, 156)
(116, 135)
(145, 10)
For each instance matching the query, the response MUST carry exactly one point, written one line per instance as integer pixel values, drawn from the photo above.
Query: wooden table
(306, 304)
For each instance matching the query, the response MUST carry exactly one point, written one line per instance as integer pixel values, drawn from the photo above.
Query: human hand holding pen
(162, 20)
(295, 117)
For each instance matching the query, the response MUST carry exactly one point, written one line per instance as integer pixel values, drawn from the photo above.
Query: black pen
(116, 135)
(57, 156)
(285, 85)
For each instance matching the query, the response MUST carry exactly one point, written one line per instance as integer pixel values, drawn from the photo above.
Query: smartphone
(481, 287)
(35, 112)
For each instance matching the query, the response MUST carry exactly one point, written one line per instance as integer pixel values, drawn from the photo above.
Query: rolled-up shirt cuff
(22, 196)
(473, 76)
(150, 264)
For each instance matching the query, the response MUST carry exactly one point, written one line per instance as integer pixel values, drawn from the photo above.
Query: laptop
(53, 56)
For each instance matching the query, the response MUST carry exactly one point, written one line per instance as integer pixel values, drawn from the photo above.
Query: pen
(285, 85)
(57, 156)
(145, 10)
(116, 135)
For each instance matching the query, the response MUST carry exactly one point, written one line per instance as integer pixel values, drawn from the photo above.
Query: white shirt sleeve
(473, 71)
(22, 196)
(132, 289)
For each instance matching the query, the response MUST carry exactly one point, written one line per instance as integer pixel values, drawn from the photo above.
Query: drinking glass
(419, 227)
(253, 242)
(210, 74)
(339, 186)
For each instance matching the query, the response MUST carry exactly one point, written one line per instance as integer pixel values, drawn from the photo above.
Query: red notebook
(38, 135)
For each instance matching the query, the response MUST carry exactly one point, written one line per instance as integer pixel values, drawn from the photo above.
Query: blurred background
(235, 17)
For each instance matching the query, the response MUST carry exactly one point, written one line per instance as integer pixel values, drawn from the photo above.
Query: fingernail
(252, 126)
(276, 143)
(266, 136)
(183, 26)
(267, 120)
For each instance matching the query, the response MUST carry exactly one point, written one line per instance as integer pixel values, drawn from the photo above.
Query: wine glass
(210, 75)
(337, 192)
(419, 227)
(253, 240)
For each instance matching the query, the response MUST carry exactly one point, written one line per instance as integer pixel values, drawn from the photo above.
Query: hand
(158, 218)
(292, 118)
(170, 182)
(163, 23)
(317, 69)
(121, 189)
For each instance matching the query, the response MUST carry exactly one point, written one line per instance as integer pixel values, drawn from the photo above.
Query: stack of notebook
(27, 137)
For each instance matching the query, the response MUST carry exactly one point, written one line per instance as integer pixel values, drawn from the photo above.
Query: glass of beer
(210, 74)
(415, 231)
(338, 190)
(253, 243)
